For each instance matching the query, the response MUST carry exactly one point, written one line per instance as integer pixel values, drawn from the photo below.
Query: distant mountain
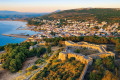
(4, 14)
(58, 10)
(9, 12)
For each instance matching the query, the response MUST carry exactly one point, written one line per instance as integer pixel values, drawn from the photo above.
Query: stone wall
(87, 60)
(85, 44)
(62, 56)
(84, 72)
(81, 58)
(78, 57)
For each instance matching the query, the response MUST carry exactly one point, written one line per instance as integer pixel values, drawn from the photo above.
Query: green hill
(110, 15)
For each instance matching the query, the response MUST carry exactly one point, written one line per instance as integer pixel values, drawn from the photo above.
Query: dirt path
(6, 75)
(29, 62)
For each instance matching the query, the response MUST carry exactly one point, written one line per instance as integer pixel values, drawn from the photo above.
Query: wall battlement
(87, 45)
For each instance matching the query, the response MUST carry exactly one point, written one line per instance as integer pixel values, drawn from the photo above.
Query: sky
(40, 6)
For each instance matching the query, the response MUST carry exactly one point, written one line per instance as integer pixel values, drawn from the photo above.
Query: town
(53, 28)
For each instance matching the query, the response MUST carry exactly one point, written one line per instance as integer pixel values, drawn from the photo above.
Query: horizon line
(63, 9)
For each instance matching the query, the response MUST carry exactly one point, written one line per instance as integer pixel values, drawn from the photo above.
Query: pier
(16, 35)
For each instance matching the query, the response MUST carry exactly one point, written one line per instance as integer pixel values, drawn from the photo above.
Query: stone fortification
(87, 60)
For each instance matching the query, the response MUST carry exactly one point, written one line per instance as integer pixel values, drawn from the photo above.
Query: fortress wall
(68, 43)
(84, 72)
(112, 54)
(85, 61)
(104, 46)
(62, 56)
(92, 47)
(106, 55)
(87, 45)
(94, 56)
(102, 49)
(79, 58)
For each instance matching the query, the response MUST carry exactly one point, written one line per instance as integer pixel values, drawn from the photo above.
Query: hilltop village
(67, 28)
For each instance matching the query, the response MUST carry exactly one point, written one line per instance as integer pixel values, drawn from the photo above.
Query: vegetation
(109, 76)
(61, 70)
(53, 33)
(1, 48)
(49, 49)
(91, 39)
(95, 14)
(38, 51)
(30, 22)
(33, 67)
(40, 61)
(77, 51)
(16, 54)
(102, 69)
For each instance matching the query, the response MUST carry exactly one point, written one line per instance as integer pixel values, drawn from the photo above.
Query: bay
(10, 27)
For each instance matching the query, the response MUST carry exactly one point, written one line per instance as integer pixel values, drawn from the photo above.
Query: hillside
(14, 15)
(99, 14)
(8, 12)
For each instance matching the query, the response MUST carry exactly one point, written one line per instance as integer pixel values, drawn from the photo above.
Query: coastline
(16, 35)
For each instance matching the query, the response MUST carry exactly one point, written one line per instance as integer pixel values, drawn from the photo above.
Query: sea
(10, 27)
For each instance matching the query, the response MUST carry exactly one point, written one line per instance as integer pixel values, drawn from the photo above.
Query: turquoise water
(9, 27)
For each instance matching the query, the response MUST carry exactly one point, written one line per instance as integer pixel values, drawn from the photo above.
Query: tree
(77, 51)
(109, 76)
(92, 76)
(13, 67)
(40, 51)
(6, 64)
(49, 49)
(98, 62)
(117, 48)
(72, 58)
(18, 63)
(109, 63)
(1, 48)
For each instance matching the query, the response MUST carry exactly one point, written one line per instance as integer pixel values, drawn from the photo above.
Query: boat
(13, 38)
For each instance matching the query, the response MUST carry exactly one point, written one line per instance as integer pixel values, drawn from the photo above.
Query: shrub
(34, 67)
(56, 60)
(72, 58)
(77, 51)
(39, 61)
(98, 62)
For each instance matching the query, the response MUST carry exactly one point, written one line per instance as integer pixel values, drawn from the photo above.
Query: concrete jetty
(16, 35)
